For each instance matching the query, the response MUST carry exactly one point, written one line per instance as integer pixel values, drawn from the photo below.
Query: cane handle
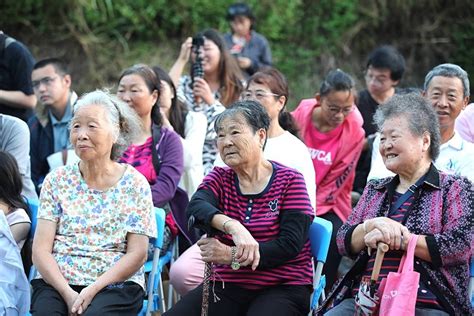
(382, 248)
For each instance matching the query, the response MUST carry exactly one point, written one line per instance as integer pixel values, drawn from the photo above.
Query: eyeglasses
(46, 81)
(335, 110)
(377, 79)
(259, 94)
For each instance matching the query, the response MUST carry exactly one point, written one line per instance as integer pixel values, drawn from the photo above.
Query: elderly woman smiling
(259, 212)
(417, 200)
(94, 219)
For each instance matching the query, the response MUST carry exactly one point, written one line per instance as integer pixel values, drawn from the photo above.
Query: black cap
(239, 9)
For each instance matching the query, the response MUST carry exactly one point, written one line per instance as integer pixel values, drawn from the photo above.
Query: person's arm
(46, 264)
(203, 212)
(195, 134)
(123, 269)
(17, 143)
(20, 65)
(36, 165)
(294, 230)
(453, 244)
(342, 169)
(171, 168)
(17, 99)
(296, 215)
(177, 69)
(264, 57)
(20, 231)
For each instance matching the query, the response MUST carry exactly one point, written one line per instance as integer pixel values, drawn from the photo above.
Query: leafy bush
(308, 37)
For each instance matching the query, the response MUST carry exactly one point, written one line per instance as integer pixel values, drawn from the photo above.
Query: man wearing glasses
(50, 126)
(384, 70)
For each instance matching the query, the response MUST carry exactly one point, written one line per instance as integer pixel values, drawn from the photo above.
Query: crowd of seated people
(240, 179)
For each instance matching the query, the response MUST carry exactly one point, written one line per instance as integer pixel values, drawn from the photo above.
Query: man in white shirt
(447, 88)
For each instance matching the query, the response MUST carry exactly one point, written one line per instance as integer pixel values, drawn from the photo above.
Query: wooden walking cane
(205, 286)
(382, 248)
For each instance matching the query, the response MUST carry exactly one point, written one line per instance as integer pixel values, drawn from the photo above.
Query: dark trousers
(123, 299)
(334, 258)
(234, 300)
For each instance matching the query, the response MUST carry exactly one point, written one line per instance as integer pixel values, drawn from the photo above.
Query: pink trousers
(187, 272)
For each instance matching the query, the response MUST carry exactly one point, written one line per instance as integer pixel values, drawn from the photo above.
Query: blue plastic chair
(33, 204)
(320, 237)
(155, 295)
(471, 283)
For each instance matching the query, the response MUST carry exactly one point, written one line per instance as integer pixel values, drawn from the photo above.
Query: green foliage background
(308, 37)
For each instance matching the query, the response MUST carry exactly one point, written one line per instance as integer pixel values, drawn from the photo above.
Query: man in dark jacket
(49, 128)
(16, 94)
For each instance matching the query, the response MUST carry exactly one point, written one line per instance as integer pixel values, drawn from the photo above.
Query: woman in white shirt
(189, 125)
(11, 202)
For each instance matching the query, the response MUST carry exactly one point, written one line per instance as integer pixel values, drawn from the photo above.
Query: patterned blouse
(186, 95)
(92, 225)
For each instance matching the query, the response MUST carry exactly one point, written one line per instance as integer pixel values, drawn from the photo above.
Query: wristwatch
(235, 265)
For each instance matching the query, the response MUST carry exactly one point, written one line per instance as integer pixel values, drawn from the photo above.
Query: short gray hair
(448, 70)
(252, 111)
(125, 123)
(419, 113)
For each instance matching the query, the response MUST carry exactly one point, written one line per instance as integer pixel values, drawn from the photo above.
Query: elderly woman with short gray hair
(94, 219)
(259, 214)
(419, 200)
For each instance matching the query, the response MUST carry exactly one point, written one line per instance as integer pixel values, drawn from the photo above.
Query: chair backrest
(160, 227)
(33, 204)
(320, 237)
(471, 282)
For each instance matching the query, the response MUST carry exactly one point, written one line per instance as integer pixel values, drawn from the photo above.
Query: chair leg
(162, 297)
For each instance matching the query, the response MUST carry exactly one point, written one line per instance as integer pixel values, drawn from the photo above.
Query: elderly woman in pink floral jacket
(417, 200)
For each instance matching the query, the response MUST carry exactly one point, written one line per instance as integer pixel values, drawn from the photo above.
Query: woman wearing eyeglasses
(250, 48)
(331, 127)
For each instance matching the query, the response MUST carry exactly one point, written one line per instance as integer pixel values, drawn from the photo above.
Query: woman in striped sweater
(259, 213)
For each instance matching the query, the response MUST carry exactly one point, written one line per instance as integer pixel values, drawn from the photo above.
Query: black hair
(11, 183)
(239, 9)
(230, 75)
(336, 80)
(152, 82)
(178, 110)
(277, 83)
(58, 64)
(387, 57)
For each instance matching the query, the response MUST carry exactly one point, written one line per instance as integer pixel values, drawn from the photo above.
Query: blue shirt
(61, 129)
(14, 287)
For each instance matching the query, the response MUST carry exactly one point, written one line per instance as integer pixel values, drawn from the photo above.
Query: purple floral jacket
(444, 212)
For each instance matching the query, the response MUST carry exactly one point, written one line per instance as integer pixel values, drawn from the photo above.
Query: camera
(196, 68)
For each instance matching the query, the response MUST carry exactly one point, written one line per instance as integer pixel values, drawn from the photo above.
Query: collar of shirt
(64, 120)
(456, 142)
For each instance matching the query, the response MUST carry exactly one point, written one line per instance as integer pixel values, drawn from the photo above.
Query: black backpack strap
(3, 45)
(156, 135)
(5, 41)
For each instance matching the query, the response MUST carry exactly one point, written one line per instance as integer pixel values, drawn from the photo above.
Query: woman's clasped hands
(383, 229)
(248, 253)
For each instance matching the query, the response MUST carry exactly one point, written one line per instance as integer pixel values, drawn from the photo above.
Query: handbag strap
(406, 264)
(405, 196)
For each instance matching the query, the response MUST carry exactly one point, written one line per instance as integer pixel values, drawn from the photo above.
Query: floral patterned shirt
(92, 225)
